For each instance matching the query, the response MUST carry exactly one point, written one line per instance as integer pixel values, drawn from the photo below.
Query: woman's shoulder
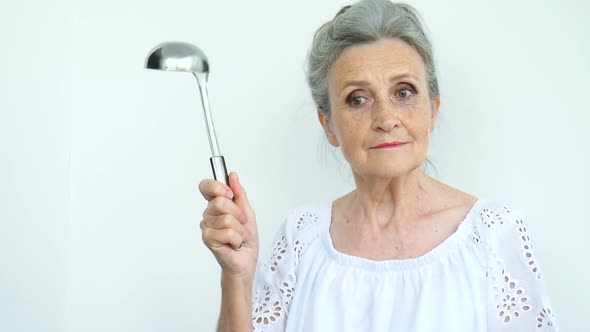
(492, 214)
(299, 229)
(489, 212)
(504, 227)
(307, 217)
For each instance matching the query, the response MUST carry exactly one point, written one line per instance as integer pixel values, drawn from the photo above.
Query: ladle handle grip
(219, 169)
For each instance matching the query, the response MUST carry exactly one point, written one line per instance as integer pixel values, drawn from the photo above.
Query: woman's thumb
(240, 197)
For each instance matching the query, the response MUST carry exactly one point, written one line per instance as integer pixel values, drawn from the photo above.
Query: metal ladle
(185, 57)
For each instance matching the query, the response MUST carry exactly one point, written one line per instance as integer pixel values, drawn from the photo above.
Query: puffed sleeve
(274, 282)
(518, 297)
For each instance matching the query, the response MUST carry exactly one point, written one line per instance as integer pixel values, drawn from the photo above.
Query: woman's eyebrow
(403, 75)
(354, 82)
(366, 83)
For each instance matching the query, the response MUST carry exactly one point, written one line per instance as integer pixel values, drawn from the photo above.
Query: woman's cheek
(417, 119)
(358, 115)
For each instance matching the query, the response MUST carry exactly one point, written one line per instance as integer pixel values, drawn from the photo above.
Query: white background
(100, 158)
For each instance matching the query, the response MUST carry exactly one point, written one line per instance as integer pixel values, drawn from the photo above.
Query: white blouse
(484, 277)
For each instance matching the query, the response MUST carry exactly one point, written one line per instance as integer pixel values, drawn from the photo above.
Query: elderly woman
(401, 252)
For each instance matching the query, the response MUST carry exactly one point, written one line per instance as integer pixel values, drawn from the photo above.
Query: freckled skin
(380, 112)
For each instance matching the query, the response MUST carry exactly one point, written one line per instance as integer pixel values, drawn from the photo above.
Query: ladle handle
(219, 169)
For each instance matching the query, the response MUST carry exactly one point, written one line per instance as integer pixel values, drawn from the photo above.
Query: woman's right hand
(228, 223)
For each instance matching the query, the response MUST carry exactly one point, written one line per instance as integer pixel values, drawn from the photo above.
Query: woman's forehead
(389, 52)
(386, 59)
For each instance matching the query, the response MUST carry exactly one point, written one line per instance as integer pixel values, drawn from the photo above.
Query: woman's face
(378, 94)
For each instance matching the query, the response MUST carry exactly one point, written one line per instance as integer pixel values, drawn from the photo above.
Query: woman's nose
(385, 115)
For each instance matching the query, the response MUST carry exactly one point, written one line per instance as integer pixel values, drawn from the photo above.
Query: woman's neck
(393, 202)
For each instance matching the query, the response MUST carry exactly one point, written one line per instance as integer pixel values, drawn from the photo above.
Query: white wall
(117, 222)
(34, 101)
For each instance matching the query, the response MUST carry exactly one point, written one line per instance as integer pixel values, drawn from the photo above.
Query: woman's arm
(262, 303)
(229, 230)
(236, 304)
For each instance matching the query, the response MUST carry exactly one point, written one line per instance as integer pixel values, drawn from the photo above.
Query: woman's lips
(389, 145)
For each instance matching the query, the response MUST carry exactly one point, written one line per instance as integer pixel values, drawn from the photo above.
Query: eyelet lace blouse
(484, 277)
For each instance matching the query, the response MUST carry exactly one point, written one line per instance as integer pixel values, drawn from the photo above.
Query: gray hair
(365, 22)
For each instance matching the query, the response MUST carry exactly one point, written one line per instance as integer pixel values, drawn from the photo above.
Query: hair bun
(343, 9)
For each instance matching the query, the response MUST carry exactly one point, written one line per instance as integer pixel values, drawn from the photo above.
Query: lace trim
(511, 297)
(271, 303)
(528, 250)
(545, 318)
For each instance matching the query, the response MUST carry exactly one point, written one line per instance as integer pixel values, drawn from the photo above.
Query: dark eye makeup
(354, 99)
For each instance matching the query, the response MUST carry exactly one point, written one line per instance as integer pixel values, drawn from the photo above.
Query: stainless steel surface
(185, 57)
(213, 145)
(219, 169)
(177, 56)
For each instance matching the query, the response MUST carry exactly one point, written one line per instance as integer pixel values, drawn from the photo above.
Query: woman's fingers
(215, 238)
(223, 205)
(223, 222)
(212, 188)
(228, 224)
(241, 198)
(223, 218)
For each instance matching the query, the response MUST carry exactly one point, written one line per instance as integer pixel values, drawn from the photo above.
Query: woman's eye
(405, 93)
(356, 100)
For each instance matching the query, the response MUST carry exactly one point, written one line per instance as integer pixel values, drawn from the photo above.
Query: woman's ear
(434, 114)
(324, 121)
